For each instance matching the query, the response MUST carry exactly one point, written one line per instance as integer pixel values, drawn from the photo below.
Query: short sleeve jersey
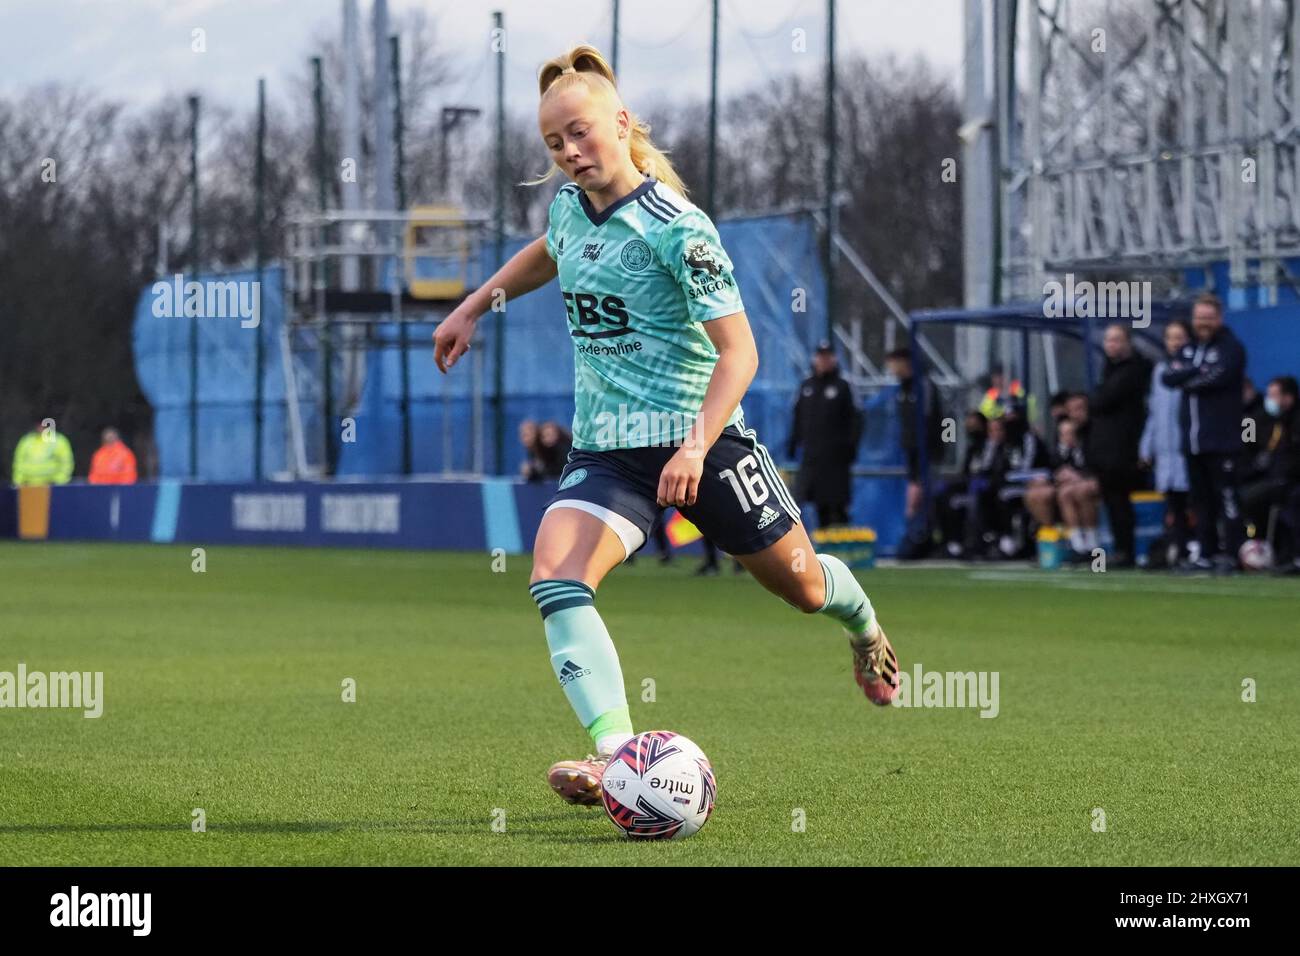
(638, 279)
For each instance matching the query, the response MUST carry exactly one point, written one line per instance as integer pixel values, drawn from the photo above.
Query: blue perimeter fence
(776, 258)
(782, 281)
(773, 255)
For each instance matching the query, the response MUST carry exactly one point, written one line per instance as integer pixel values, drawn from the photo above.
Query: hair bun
(568, 69)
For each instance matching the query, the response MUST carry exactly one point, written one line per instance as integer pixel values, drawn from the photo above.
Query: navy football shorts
(742, 504)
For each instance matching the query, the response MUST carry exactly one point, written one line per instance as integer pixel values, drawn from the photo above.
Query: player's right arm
(528, 269)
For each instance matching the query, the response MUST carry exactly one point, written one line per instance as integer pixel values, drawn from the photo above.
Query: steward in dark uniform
(827, 425)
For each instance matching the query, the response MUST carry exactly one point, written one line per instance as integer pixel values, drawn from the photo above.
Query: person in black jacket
(828, 425)
(954, 496)
(986, 476)
(909, 395)
(1209, 371)
(1255, 425)
(1117, 410)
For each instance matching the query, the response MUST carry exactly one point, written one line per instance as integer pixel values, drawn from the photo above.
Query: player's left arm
(733, 339)
(692, 251)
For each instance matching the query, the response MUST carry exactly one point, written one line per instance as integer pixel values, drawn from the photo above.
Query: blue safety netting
(781, 280)
(774, 256)
(226, 361)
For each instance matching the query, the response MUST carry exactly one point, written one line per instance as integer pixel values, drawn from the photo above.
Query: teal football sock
(584, 658)
(845, 599)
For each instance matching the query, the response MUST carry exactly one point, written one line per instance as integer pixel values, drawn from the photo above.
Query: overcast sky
(138, 50)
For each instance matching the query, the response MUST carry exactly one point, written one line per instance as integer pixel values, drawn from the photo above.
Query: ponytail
(583, 65)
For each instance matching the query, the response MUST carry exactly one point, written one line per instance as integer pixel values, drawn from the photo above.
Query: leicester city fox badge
(635, 255)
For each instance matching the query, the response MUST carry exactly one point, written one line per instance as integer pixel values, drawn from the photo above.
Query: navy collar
(600, 218)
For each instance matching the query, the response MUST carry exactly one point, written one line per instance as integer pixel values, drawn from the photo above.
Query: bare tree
(80, 239)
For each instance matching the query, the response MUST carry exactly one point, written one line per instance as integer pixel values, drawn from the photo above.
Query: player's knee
(544, 569)
(558, 570)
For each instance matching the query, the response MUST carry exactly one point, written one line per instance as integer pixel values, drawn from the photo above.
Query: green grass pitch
(223, 691)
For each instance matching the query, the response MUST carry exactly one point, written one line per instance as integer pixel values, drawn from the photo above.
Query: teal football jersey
(638, 278)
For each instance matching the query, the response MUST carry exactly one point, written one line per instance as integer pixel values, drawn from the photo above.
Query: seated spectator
(1076, 410)
(1056, 407)
(1278, 468)
(1025, 449)
(113, 462)
(43, 456)
(1161, 447)
(987, 475)
(1028, 461)
(1065, 462)
(951, 502)
(1074, 491)
(1068, 451)
(1254, 416)
(1256, 426)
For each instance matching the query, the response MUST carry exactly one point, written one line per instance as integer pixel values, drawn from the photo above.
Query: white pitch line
(1120, 584)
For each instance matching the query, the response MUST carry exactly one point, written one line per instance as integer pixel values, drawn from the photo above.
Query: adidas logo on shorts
(767, 517)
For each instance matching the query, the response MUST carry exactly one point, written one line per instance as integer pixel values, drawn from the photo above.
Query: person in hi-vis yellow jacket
(43, 457)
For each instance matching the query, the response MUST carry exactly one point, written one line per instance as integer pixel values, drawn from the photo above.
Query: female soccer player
(663, 354)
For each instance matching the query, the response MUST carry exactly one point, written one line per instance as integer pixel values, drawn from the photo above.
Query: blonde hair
(584, 66)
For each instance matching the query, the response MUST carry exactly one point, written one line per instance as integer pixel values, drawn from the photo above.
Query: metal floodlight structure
(1130, 137)
(1154, 134)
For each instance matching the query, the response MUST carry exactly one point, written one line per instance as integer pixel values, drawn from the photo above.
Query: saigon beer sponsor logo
(707, 273)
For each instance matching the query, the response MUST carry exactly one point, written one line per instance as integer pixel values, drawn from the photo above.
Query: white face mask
(1272, 407)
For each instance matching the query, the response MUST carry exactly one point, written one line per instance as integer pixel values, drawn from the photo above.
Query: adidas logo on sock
(570, 671)
(767, 517)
